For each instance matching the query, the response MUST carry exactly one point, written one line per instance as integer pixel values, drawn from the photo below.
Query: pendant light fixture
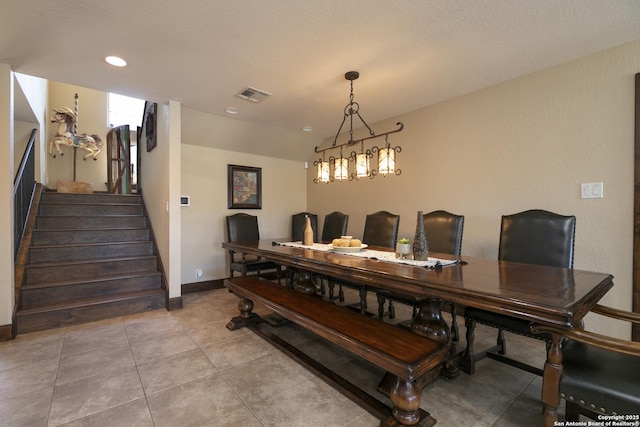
(337, 168)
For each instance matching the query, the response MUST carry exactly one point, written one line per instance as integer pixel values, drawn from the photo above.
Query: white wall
(204, 179)
(35, 90)
(22, 132)
(6, 193)
(524, 144)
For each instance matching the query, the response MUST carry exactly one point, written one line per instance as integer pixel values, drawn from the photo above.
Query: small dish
(348, 249)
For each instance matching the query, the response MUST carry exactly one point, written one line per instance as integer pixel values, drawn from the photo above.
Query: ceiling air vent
(254, 95)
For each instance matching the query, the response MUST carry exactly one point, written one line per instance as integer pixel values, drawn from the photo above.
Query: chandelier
(336, 168)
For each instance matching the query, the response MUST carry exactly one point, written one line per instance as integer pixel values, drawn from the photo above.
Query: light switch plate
(592, 190)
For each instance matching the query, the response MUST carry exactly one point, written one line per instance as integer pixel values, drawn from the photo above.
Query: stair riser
(82, 252)
(95, 198)
(66, 237)
(50, 274)
(90, 210)
(80, 223)
(56, 319)
(56, 294)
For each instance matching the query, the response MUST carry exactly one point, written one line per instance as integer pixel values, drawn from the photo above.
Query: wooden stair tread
(89, 203)
(93, 279)
(90, 261)
(92, 244)
(72, 218)
(84, 230)
(91, 301)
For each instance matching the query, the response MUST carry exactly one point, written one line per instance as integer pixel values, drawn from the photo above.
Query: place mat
(373, 254)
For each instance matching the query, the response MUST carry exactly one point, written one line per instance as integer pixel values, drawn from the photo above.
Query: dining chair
(335, 225)
(244, 227)
(534, 237)
(444, 235)
(298, 222)
(380, 230)
(600, 374)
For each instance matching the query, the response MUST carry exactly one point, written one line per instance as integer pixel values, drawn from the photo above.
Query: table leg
(551, 381)
(305, 283)
(246, 315)
(429, 322)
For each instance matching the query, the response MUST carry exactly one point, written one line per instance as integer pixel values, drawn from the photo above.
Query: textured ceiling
(410, 53)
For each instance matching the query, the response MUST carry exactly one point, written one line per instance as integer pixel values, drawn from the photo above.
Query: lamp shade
(386, 161)
(323, 171)
(341, 168)
(363, 169)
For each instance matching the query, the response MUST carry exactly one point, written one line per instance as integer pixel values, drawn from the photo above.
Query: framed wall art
(245, 187)
(149, 122)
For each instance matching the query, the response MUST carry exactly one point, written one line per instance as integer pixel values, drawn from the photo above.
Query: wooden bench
(402, 353)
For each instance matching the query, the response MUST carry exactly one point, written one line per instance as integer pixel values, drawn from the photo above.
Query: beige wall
(158, 169)
(524, 144)
(204, 179)
(92, 119)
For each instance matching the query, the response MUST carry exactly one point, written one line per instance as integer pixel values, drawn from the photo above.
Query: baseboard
(174, 303)
(207, 285)
(6, 332)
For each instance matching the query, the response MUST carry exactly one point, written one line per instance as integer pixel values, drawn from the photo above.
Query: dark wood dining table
(543, 295)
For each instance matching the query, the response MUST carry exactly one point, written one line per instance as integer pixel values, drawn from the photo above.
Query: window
(124, 110)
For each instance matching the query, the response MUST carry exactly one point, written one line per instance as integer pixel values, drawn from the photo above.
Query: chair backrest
(241, 227)
(298, 223)
(335, 225)
(444, 232)
(381, 229)
(538, 237)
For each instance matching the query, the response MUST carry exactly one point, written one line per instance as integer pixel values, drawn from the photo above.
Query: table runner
(379, 255)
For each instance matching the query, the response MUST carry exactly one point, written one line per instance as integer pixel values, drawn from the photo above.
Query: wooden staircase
(91, 258)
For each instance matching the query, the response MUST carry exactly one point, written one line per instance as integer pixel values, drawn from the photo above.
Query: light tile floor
(184, 368)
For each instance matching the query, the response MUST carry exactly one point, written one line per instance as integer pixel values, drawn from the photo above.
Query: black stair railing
(23, 187)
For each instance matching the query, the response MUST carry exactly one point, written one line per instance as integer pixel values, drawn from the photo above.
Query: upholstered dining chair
(335, 225)
(244, 227)
(381, 230)
(444, 235)
(298, 223)
(535, 237)
(600, 374)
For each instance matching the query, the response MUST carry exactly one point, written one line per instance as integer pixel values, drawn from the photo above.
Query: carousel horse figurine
(66, 118)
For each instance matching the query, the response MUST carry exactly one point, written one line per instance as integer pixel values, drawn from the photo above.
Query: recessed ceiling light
(232, 110)
(307, 129)
(116, 61)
